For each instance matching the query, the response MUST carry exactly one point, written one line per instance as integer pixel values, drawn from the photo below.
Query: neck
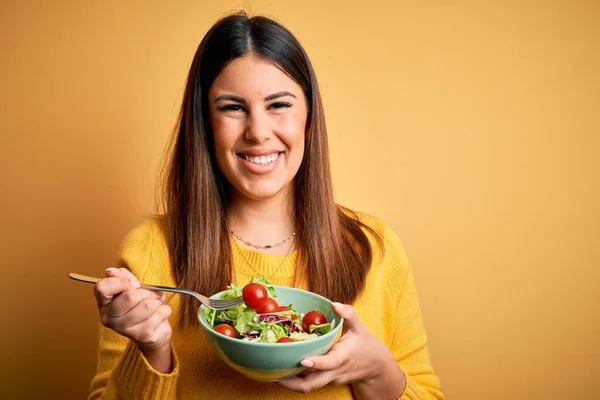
(265, 221)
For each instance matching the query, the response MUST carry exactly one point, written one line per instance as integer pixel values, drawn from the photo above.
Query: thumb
(346, 311)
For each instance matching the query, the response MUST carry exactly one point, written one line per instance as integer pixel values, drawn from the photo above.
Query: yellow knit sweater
(388, 306)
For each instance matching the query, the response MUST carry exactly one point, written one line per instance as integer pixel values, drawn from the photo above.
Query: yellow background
(472, 127)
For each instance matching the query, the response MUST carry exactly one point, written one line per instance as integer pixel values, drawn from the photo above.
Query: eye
(279, 105)
(231, 107)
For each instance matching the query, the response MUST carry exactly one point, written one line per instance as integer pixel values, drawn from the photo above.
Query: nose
(258, 128)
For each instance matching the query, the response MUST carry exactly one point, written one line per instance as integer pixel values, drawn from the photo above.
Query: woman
(249, 167)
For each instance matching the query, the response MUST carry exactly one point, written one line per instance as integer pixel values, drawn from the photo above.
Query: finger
(310, 382)
(146, 329)
(295, 383)
(346, 311)
(106, 289)
(137, 315)
(162, 313)
(128, 301)
(332, 360)
(304, 373)
(128, 274)
(122, 272)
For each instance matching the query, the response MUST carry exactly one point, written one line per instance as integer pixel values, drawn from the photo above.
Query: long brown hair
(334, 253)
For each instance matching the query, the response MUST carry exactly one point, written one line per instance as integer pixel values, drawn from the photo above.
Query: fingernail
(112, 269)
(307, 363)
(135, 284)
(163, 298)
(338, 305)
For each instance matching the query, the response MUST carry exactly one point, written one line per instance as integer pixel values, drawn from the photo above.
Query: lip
(260, 169)
(259, 152)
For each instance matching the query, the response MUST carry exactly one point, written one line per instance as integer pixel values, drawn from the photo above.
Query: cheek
(225, 133)
(293, 130)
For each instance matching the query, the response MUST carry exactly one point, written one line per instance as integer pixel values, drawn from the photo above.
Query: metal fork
(210, 303)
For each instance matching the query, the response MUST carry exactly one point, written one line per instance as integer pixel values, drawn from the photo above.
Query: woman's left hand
(359, 358)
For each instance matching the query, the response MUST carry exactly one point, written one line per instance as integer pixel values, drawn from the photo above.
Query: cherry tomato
(255, 295)
(312, 318)
(284, 308)
(227, 330)
(270, 306)
(285, 340)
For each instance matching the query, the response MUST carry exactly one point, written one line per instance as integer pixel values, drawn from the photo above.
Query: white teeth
(263, 160)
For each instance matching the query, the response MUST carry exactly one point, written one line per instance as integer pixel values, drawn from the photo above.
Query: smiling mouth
(260, 160)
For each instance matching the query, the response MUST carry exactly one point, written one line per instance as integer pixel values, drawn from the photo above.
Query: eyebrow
(238, 99)
(230, 97)
(279, 94)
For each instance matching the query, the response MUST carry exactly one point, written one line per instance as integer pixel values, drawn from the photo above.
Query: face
(258, 116)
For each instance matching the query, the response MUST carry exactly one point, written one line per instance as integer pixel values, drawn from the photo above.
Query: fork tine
(222, 304)
(232, 302)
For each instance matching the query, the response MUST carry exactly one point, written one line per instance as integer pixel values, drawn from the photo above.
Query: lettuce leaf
(320, 329)
(244, 322)
(266, 284)
(232, 292)
(270, 332)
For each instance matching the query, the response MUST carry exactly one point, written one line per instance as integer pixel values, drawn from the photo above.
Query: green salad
(261, 319)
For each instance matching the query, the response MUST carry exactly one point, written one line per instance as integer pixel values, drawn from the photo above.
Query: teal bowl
(273, 362)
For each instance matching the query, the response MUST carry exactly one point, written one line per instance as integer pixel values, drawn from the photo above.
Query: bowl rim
(322, 338)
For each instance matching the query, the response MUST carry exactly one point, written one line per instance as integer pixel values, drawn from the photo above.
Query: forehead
(251, 77)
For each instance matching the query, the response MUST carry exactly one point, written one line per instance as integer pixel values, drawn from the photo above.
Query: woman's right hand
(137, 314)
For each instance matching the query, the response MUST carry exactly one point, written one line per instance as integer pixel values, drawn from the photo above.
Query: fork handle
(154, 288)
(83, 278)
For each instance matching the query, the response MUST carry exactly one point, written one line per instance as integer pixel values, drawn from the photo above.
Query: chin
(263, 192)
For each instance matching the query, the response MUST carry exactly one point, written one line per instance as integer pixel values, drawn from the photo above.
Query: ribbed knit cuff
(412, 391)
(137, 377)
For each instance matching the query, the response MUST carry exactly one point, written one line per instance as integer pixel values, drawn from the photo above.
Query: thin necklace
(258, 274)
(268, 246)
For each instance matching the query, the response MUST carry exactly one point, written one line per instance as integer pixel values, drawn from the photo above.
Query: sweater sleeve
(122, 371)
(409, 340)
